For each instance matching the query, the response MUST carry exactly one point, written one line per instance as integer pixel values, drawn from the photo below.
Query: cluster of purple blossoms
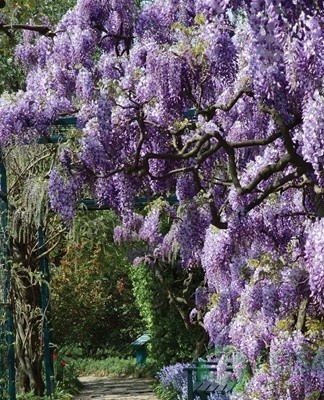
(175, 376)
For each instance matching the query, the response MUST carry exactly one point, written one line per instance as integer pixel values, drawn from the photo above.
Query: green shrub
(59, 395)
(114, 366)
(93, 306)
(164, 301)
(163, 393)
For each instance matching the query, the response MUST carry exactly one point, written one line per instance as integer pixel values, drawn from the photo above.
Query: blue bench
(201, 383)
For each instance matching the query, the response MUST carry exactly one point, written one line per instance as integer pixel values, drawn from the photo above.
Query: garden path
(105, 388)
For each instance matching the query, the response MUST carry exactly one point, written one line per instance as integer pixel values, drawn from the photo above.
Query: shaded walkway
(103, 388)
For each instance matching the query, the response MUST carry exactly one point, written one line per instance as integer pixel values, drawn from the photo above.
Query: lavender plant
(174, 377)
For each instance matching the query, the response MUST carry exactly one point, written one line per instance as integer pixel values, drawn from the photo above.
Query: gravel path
(103, 388)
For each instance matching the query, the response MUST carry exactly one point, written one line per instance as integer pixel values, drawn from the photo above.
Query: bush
(114, 366)
(59, 395)
(164, 393)
(65, 373)
(173, 382)
(165, 303)
(92, 300)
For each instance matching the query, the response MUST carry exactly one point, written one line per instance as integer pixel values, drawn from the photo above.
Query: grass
(60, 395)
(114, 366)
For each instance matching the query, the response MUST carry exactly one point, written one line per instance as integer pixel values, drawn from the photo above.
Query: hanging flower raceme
(315, 260)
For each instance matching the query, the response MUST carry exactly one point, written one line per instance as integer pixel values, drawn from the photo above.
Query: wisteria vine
(221, 104)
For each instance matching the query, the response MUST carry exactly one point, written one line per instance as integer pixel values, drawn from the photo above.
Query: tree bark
(28, 319)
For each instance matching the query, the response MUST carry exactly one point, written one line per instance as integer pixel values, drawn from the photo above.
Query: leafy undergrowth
(59, 395)
(114, 366)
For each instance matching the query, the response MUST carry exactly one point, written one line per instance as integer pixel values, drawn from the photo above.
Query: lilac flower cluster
(216, 256)
(190, 234)
(315, 260)
(201, 297)
(218, 396)
(290, 374)
(175, 376)
(217, 319)
(64, 194)
(150, 231)
(312, 148)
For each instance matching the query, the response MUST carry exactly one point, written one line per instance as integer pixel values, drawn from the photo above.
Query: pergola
(7, 348)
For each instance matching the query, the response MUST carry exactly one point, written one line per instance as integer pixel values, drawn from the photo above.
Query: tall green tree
(92, 294)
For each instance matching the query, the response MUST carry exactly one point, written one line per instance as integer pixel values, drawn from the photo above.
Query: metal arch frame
(91, 205)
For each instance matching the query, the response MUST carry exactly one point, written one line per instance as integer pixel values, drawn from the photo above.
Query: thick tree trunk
(28, 320)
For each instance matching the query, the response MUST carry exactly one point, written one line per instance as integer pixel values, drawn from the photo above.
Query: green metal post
(3, 344)
(190, 383)
(6, 265)
(44, 269)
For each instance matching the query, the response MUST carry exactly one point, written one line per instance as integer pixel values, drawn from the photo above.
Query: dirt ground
(104, 388)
